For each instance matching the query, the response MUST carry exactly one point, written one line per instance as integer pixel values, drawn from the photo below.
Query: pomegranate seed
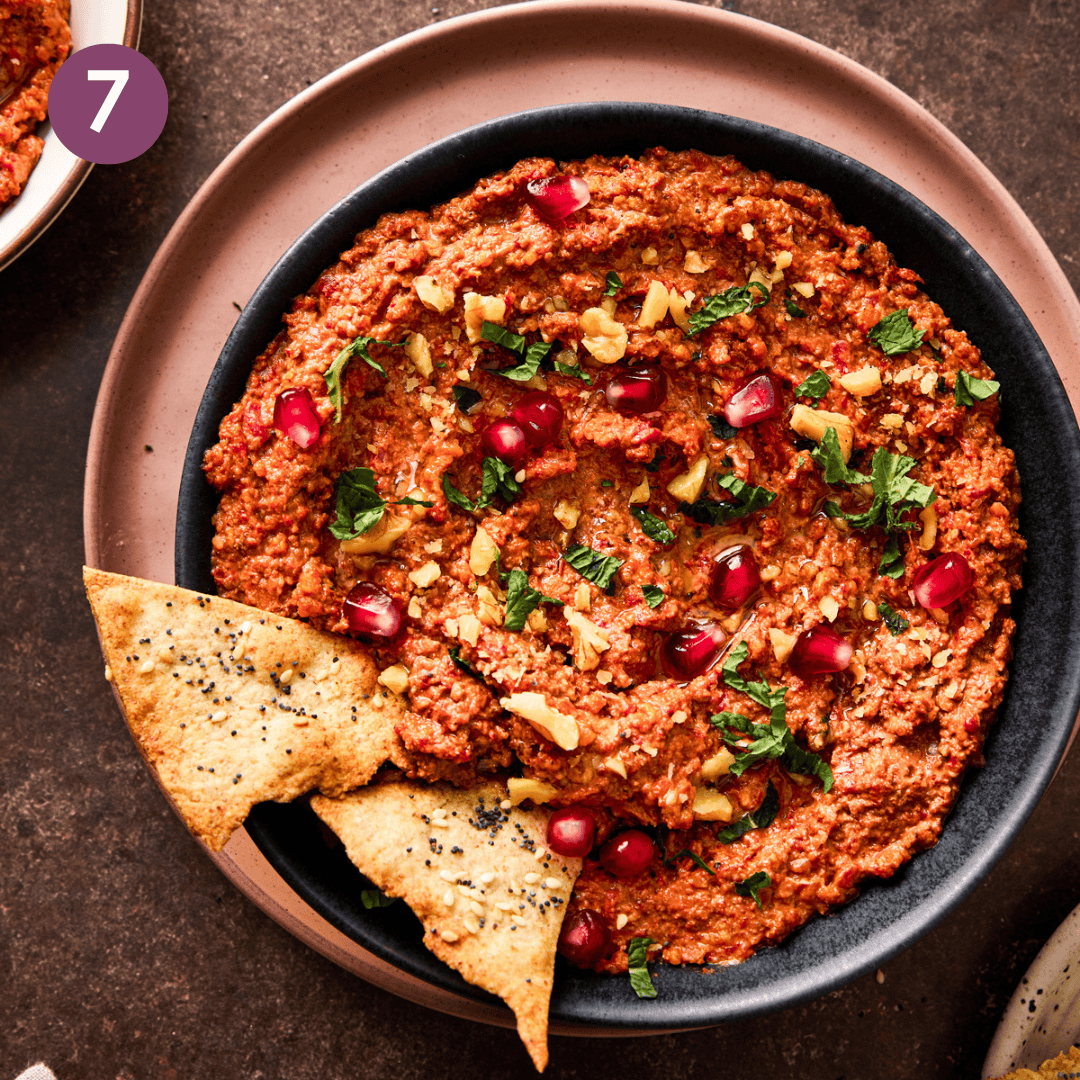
(735, 578)
(819, 650)
(584, 938)
(937, 584)
(296, 417)
(758, 399)
(691, 651)
(628, 854)
(506, 441)
(638, 389)
(571, 831)
(373, 614)
(555, 197)
(540, 416)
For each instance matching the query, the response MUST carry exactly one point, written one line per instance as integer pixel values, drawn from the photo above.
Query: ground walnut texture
(35, 39)
(897, 726)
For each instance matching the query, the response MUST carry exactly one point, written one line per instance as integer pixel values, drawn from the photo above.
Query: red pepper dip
(34, 41)
(658, 487)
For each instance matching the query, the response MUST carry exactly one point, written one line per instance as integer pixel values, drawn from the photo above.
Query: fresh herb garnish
(969, 390)
(636, 956)
(607, 483)
(892, 559)
(522, 600)
(896, 334)
(466, 397)
(894, 491)
(733, 301)
(592, 565)
(376, 898)
(654, 595)
(463, 665)
(761, 818)
(752, 886)
(358, 505)
(531, 355)
(816, 386)
(893, 620)
(832, 509)
(770, 741)
(746, 500)
(721, 428)
(653, 527)
(498, 479)
(657, 461)
(408, 500)
(574, 371)
(793, 309)
(686, 854)
(336, 370)
(612, 282)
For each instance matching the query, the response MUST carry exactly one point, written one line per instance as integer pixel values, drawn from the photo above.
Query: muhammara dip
(660, 488)
(35, 40)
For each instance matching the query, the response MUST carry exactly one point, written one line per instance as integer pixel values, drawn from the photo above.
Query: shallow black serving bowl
(1043, 696)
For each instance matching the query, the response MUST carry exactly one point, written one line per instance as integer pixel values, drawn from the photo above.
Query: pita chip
(476, 872)
(232, 706)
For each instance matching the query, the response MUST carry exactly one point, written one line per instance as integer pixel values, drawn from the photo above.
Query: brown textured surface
(124, 952)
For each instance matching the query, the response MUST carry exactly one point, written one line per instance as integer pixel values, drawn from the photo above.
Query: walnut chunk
(813, 423)
(654, 307)
(433, 294)
(688, 486)
(532, 707)
(480, 309)
(605, 337)
(711, 806)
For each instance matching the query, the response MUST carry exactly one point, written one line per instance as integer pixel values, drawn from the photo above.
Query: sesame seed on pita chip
(232, 706)
(476, 872)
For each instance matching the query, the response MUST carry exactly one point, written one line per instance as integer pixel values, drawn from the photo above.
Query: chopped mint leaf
(761, 818)
(592, 565)
(654, 595)
(607, 483)
(466, 397)
(733, 301)
(574, 371)
(769, 741)
(498, 479)
(816, 386)
(721, 428)
(531, 356)
(969, 390)
(892, 559)
(653, 527)
(893, 620)
(636, 955)
(408, 500)
(456, 497)
(696, 859)
(752, 886)
(832, 509)
(455, 655)
(831, 459)
(793, 309)
(747, 500)
(896, 334)
(493, 332)
(359, 507)
(375, 898)
(336, 370)
(657, 461)
(894, 493)
(612, 282)
(522, 600)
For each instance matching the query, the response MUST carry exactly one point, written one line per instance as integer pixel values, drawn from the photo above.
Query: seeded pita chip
(492, 899)
(232, 706)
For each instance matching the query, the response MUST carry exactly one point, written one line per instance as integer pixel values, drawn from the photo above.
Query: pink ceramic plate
(398, 98)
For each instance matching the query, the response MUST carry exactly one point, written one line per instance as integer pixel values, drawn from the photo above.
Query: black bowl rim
(888, 916)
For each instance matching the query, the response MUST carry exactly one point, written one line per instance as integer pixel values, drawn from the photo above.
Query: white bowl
(59, 173)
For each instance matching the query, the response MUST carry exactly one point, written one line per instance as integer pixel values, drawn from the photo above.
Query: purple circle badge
(108, 104)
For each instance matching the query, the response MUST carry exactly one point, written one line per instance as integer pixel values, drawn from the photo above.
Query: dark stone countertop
(123, 952)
